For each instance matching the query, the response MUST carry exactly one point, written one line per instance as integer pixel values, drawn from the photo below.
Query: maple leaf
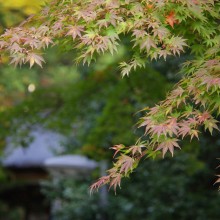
(137, 62)
(102, 23)
(16, 37)
(33, 43)
(210, 81)
(203, 117)
(43, 29)
(58, 25)
(172, 126)
(139, 33)
(86, 14)
(211, 124)
(34, 58)
(15, 47)
(117, 148)
(125, 68)
(168, 127)
(97, 25)
(126, 163)
(184, 129)
(161, 32)
(171, 19)
(101, 181)
(154, 110)
(159, 129)
(177, 92)
(147, 43)
(115, 181)
(194, 133)
(46, 41)
(177, 44)
(103, 43)
(153, 24)
(114, 18)
(75, 31)
(136, 149)
(19, 58)
(3, 44)
(168, 144)
(146, 122)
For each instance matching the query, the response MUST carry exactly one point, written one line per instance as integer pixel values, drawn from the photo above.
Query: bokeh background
(67, 110)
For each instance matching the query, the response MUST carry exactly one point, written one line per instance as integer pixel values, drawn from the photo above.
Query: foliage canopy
(157, 29)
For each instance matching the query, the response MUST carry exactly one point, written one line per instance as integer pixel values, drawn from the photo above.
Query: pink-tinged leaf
(211, 63)
(112, 171)
(101, 181)
(75, 31)
(147, 122)
(177, 45)
(34, 58)
(115, 181)
(203, 117)
(168, 144)
(178, 92)
(126, 163)
(136, 149)
(3, 44)
(43, 30)
(184, 129)
(160, 32)
(87, 15)
(18, 58)
(15, 38)
(172, 126)
(15, 48)
(102, 23)
(210, 81)
(114, 18)
(168, 127)
(139, 34)
(154, 110)
(147, 43)
(46, 41)
(117, 148)
(32, 42)
(159, 129)
(153, 24)
(58, 26)
(164, 54)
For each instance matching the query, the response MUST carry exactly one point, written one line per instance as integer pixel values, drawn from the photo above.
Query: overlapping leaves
(158, 29)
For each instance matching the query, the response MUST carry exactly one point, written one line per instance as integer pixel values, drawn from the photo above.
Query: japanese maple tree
(157, 29)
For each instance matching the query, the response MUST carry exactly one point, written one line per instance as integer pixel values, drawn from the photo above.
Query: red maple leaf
(171, 19)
